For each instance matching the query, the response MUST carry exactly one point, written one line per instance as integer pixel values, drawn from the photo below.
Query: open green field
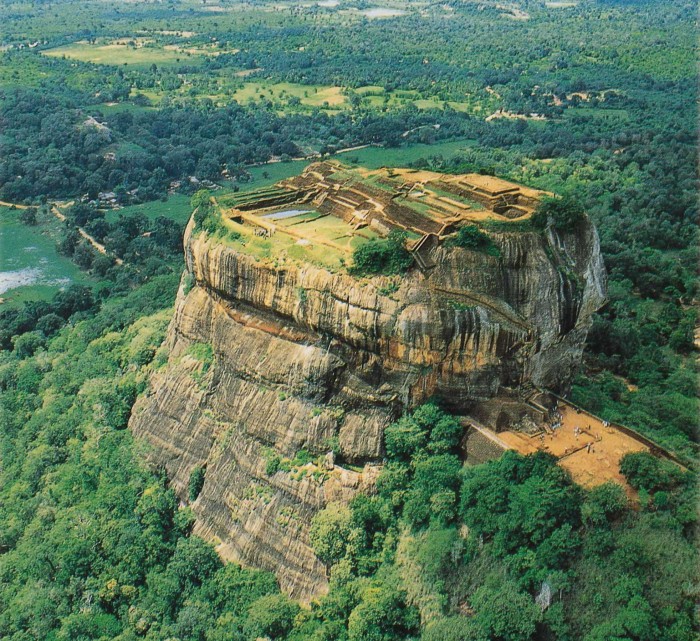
(281, 246)
(335, 99)
(30, 266)
(142, 54)
(266, 175)
(177, 208)
(376, 157)
(309, 95)
(596, 112)
(108, 109)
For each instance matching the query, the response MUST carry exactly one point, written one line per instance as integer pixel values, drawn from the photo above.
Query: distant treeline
(52, 148)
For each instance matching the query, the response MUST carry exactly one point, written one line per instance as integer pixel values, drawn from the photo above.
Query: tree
(28, 216)
(196, 482)
(471, 237)
(83, 255)
(561, 213)
(404, 438)
(433, 491)
(330, 532)
(272, 616)
(603, 504)
(647, 472)
(28, 343)
(49, 324)
(503, 612)
(452, 628)
(382, 615)
(388, 256)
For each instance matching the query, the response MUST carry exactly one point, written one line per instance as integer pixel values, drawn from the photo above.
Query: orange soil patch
(588, 466)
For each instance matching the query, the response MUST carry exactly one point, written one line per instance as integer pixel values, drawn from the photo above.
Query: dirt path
(98, 246)
(57, 212)
(355, 148)
(406, 133)
(15, 205)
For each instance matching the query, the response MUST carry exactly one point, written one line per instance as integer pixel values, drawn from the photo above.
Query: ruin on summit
(339, 207)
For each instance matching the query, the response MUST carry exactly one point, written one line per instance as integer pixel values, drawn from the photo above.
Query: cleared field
(308, 95)
(121, 107)
(333, 98)
(121, 53)
(177, 208)
(376, 157)
(596, 112)
(382, 12)
(369, 90)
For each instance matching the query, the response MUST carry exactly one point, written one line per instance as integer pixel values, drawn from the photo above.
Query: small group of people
(556, 420)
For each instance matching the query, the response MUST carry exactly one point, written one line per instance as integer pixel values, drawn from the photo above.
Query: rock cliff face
(271, 360)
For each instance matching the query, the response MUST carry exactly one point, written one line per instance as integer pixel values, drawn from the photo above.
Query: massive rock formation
(271, 359)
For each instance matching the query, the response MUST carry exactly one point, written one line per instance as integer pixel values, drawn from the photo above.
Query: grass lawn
(376, 157)
(280, 247)
(120, 53)
(177, 208)
(369, 90)
(266, 175)
(309, 95)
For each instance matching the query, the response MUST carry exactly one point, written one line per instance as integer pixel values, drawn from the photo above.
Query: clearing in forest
(137, 52)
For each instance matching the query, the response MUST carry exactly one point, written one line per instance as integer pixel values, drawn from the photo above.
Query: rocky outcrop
(274, 363)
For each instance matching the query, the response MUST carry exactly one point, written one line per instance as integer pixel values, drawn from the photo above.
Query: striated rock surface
(273, 359)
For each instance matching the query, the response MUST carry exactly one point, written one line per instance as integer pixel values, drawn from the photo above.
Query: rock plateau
(275, 360)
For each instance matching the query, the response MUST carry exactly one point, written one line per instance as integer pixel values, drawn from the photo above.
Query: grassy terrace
(279, 223)
(281, 247)
(473, 204)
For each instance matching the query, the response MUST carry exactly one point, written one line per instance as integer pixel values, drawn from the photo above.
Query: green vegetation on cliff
(471, 237)
(507, 550)
(93, 544)
(386, 256)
